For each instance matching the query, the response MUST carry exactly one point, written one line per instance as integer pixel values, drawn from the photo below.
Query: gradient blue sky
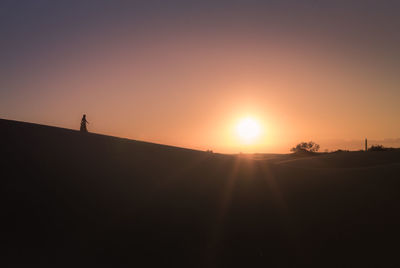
(183, 72)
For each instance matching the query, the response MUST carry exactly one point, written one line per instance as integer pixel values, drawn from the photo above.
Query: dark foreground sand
(74, 199)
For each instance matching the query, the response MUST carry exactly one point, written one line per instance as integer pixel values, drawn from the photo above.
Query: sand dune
(345, 160)
(91, 200)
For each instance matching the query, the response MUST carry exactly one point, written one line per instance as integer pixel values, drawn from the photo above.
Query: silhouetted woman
(83, 124)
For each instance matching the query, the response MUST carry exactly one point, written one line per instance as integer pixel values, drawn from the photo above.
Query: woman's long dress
(83, 126)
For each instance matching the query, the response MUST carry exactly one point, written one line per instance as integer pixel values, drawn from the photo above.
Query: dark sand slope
(89, 200)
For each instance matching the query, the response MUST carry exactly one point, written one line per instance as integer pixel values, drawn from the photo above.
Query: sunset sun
(248, 130)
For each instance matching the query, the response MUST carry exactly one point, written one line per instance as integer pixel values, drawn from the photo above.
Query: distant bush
(379, 148)
(340, 151)
(210, 151)
(306, 147)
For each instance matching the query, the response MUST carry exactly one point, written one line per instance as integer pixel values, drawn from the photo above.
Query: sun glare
(248, 130)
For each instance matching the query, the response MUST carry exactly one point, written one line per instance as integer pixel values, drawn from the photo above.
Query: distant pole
(366, 144)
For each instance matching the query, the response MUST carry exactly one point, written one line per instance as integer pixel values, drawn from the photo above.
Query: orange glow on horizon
(190, 90)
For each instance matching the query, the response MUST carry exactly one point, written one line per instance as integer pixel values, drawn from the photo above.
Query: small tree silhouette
(306, 147)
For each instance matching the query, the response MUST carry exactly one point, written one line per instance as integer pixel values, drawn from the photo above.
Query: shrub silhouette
(341, 151)
(379, 148)
(306, 147)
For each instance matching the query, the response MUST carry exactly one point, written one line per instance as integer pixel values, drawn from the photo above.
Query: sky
(185, 73)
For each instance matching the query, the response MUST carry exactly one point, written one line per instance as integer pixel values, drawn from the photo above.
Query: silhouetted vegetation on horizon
(381, 148)
(306, 147)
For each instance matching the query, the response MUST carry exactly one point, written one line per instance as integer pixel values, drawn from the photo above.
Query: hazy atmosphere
(187, 73)
(205, 134)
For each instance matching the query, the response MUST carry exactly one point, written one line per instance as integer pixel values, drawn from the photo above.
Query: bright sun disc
(248, 129)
